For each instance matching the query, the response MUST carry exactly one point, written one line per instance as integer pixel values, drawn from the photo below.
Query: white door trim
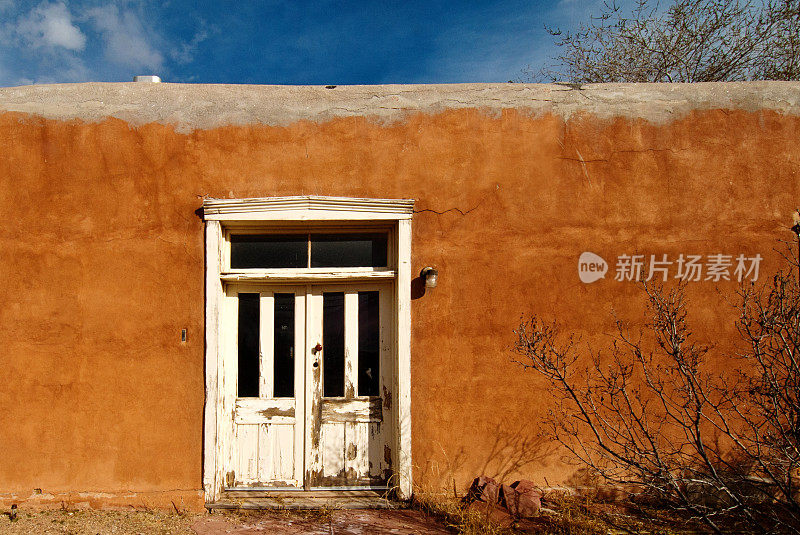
(222, 214)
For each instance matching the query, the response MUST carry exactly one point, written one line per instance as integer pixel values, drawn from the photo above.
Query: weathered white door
(349, 402)
(313, 374)
(269, 411)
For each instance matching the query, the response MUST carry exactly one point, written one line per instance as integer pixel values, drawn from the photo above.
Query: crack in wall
(442, 212)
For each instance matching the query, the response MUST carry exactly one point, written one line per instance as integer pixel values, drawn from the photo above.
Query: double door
(310, 369)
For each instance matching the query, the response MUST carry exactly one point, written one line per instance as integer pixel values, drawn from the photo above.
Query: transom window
(309, 250)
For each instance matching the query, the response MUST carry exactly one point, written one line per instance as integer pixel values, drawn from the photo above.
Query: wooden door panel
(245, 449)
(263, 411)
(352, 410)
(276, 450)
(352, 455)
(264, 455)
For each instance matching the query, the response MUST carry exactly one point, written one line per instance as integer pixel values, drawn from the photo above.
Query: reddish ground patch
(346, 522)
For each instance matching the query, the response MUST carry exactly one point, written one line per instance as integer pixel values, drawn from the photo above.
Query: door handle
(314, 350)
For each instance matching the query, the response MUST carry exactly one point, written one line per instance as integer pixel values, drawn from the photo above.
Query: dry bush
(722, 449)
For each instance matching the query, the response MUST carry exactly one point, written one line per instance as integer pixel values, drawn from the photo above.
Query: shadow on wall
(512, 452)
(508, 455)
(417, 288)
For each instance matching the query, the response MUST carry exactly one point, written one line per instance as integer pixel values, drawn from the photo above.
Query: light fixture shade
(431, 280)
(430, 276)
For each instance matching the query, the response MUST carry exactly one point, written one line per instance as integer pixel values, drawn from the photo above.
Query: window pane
(248, 345)
(368, 344)
(269, 251)
(333, 344)
(348, 250)
(284, 346)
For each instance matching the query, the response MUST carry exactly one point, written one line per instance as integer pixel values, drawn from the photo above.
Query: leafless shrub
(648, 416)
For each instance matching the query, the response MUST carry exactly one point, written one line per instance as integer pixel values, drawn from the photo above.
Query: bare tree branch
(685, 41)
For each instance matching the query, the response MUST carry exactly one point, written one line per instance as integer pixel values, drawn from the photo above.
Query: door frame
(268, 213)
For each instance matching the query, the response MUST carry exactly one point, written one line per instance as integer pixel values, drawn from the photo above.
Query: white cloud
(51, 25)
(41, 44)
(56, 41)
(184, 52)
(127, 42)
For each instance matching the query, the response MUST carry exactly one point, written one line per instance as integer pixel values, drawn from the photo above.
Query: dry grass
(454, 514)
(563, 514)
(91, 522)
(247, 516)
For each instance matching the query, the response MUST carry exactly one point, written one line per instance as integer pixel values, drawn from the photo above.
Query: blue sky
(272, 42)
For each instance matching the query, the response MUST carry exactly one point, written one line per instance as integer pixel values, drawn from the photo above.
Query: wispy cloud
(50, 25)
(126, 42)
(185, 52)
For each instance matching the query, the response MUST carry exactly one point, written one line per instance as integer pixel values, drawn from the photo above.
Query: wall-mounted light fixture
(430, 276)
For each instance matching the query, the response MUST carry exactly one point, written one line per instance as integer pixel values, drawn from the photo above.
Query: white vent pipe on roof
(148, 78)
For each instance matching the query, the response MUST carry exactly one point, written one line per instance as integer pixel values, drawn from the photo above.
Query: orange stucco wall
(101, 266)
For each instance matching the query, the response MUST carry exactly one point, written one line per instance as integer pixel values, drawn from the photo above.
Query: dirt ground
(338, 522)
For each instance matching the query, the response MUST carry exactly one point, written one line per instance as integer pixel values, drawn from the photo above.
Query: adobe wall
(101, 249)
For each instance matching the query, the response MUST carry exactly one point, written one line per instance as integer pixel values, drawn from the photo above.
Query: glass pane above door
(341, 250)
(269, 251)
(348, 250)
